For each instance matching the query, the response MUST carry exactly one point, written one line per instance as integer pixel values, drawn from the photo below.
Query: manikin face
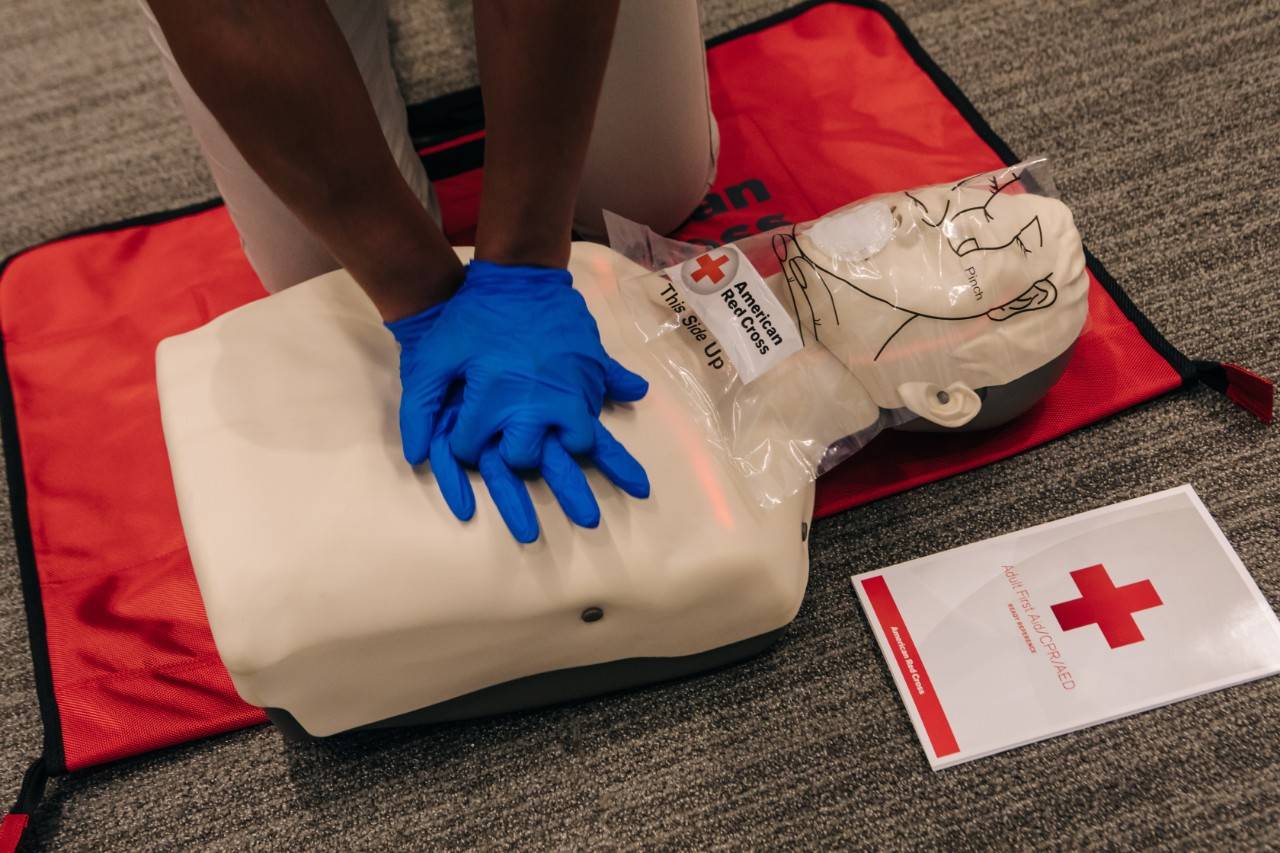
(931, 294)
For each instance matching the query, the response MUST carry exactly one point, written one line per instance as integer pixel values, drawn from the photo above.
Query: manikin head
(929, 295)
(919, 308)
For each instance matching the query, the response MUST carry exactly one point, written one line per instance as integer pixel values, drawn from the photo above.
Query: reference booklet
(1047, 630)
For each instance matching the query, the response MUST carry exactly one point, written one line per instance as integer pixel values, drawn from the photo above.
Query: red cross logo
(709, 267)
(1108, 606)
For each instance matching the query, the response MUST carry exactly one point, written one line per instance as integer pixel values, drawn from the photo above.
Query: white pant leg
(653, 149)
(279, 247)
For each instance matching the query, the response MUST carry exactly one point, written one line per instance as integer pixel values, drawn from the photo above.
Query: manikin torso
(340, 588)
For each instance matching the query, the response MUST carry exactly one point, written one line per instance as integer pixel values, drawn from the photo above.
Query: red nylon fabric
(1251, 392)
(11, 829)
(134, 666)
(816, 111)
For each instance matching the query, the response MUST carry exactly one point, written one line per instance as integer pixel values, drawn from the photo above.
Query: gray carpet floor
(1164, 119)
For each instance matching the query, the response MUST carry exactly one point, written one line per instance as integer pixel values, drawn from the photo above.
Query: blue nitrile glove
(508, 490)
(527, 353)
(518, 357)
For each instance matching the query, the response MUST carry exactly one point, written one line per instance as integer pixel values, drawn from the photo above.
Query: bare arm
(541, 67)
(281, 81)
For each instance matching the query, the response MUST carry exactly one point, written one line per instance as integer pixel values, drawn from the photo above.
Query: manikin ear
(953, 406)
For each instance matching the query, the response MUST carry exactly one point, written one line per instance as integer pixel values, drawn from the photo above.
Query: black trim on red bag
(53, 757)
(446, 117)
(16, 823)
(454, 160)
(436, 122)
(1251, 392)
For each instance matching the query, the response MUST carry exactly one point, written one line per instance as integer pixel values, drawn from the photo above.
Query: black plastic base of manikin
(1003, 403)
(553, 688)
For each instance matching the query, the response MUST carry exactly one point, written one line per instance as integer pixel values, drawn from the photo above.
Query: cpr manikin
(340, 590)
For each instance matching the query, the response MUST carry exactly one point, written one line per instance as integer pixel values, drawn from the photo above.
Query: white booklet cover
(1051, 629)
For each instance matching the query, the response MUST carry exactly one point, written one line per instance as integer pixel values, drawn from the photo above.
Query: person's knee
(660, 185)
(652, 155)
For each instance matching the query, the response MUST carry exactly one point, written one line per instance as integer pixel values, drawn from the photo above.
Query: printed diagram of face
(945, 288)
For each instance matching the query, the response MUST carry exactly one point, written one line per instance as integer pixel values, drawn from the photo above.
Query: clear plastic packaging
(798, 345)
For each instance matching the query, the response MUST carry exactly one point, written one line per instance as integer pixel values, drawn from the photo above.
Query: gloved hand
(514, 352)
(527, 352)
(508, 490)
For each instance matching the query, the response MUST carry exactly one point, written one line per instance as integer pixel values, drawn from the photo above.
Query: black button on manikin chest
(592, 614)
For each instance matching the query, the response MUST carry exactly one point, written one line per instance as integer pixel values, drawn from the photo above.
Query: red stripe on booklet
(903, 650)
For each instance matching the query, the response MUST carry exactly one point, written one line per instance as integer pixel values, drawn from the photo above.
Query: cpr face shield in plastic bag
(798, 345)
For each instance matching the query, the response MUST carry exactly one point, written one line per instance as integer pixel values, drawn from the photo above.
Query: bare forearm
(281, 81)
(541, 67)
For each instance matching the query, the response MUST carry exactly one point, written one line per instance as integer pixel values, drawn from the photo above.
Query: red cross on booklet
(1109, 607)
(1007, 641)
